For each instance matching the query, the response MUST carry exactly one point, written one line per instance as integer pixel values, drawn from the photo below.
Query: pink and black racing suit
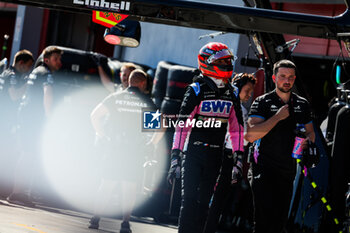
(206, 113)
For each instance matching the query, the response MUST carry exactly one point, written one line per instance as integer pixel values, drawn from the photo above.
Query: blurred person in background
(117, 122)
(125, 72)
(12, 88)
(35, 107)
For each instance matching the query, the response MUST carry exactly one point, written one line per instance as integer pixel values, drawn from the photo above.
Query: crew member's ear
(46, 60)
(274, 78)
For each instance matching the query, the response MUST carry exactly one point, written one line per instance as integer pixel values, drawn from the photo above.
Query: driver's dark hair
(283, 63)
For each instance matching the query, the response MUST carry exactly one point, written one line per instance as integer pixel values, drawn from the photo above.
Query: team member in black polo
(271, 124)
(34, 109)
(117, 121)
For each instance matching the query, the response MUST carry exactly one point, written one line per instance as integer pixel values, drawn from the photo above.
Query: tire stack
(78, 67)
(115, 66)
(179, 77)
(160, 82)
(169, 85)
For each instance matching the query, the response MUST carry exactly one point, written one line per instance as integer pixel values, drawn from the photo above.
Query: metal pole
(4, 46)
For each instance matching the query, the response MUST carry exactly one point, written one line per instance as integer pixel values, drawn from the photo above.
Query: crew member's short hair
(137, 76)
(51, 50)
(23, 55)
(283, 63)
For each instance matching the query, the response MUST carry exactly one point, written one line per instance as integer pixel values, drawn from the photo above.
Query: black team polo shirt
(275, 149)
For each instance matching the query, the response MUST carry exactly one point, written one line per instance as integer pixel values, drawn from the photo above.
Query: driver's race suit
(203, 146)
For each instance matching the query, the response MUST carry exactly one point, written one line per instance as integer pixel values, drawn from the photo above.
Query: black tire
(170, 106)
(160, 82)
(179, 77)
(78, 67)
(115, 66)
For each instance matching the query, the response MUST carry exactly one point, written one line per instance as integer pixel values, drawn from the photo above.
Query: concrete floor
(45, 219)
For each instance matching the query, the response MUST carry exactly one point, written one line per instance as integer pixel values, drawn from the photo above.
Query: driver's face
(223, 62)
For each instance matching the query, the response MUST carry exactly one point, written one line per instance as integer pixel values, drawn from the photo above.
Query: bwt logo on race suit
(153, 120)
(123, 5)
(216, 106)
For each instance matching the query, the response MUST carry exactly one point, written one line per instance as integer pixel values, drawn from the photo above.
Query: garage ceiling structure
(258, 19)
(211, 16)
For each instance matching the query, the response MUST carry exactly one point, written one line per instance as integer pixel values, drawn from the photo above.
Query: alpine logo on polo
(297, 108)
(216, 106)
(273, 108)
